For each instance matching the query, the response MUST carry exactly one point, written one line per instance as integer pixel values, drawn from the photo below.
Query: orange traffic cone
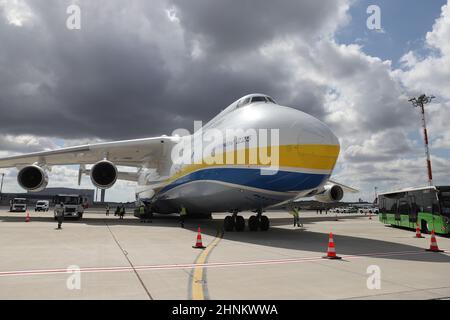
(418, 234)
(331, 252)
(433, 245)
(27, 219)
(198, 243)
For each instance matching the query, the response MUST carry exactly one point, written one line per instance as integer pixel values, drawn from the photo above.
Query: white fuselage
(297, 157)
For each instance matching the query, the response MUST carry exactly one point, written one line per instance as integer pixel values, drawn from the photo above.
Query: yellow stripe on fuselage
(302, 156)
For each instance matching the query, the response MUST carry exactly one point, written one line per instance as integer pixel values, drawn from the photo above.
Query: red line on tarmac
(204, 265)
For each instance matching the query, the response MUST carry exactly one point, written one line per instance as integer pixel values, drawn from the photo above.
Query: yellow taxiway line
(198, 285)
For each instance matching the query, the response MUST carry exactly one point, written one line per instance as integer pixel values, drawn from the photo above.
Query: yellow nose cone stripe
(309, 156)
(302, 156)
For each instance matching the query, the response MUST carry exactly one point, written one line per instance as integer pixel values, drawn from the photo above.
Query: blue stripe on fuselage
(282, 181)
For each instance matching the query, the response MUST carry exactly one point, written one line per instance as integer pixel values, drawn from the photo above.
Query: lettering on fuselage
(245, 147)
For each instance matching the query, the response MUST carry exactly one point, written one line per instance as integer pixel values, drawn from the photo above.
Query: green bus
(428, 206)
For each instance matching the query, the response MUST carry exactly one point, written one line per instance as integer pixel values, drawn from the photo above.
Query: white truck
(18, 205)
(42, 205)
(73, 205)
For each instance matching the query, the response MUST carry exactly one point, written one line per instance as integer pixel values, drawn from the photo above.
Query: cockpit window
(248, 100)
(259, 98)
(243, 102)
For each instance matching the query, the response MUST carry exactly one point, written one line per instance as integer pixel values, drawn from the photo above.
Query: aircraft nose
(317, 146)
(314, 131)
(307, 129)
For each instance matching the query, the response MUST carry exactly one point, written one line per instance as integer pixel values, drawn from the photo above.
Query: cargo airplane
(303, 152)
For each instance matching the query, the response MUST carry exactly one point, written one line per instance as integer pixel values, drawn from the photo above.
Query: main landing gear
(255, 222)
(234, 222)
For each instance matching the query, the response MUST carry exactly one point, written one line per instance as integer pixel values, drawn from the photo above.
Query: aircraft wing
(147, 152)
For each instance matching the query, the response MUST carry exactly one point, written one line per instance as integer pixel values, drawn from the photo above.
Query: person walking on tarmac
(117, 212)
(148, 213)
(122, 212)
(59, 214)
(295, 213)
(142, 212)
(107, 210)
(183, 214)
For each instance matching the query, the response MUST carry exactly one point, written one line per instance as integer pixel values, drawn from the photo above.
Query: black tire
(264, 223)
(240, 223)
(228, 223)
(253, 223)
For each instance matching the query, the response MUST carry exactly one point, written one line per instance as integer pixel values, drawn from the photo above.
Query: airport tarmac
(132, 260)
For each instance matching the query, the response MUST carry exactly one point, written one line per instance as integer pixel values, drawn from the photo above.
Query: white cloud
(431, 73)
(17, 12)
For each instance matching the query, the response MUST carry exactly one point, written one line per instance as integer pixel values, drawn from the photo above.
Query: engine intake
(332, 193)
(32, 178)
(104, 174)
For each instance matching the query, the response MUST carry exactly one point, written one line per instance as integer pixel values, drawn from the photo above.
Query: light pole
(1, 188)
(421, 101)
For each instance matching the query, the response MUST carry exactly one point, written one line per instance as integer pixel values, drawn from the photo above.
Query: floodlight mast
(421, 101)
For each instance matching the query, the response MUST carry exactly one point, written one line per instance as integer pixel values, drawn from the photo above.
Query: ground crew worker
(107, 210)
(122, 212)
(183, 214)
(295, 213)
(117, 212)
(59, 213)
(142, 212)
(148, 213)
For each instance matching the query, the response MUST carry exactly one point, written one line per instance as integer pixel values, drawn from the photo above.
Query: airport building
(48, 194)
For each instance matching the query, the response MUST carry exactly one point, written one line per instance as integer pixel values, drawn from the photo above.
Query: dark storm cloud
(114, 79)
(229, 26)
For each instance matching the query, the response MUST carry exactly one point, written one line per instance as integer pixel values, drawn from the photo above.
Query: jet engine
(104, 174)
(331, 193)
(32, 178)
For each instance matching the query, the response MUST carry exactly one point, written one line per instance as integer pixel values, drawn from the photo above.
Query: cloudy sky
(140, 68)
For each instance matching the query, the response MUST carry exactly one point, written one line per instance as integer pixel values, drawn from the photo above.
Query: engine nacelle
(332, 193)
(104, 174)
(32, 178)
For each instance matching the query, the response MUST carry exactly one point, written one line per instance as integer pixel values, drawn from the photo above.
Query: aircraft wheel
(265, 223)
(253, 223)
(228, 223)
(240, 223)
